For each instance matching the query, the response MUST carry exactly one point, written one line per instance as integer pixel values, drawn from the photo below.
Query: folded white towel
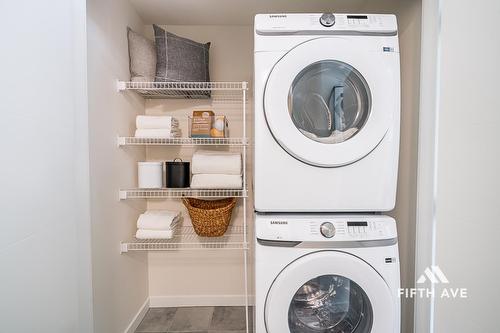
(215, 162)
(158, 220)
(145, 122)
(163, 212)
(214, 181)
(157, 133)
(153, 234)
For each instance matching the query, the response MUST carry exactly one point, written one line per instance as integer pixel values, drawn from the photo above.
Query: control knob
(327, 19)
(327, 229)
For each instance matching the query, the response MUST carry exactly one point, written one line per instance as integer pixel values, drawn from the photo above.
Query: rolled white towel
(155, 122)
(214, 181)
(161, 133)
(215, 162)
(158, 220)
(153, 234)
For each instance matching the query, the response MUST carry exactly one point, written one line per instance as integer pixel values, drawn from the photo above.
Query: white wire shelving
(185, 238)
(217, 91)
(133, 141)
(174, 193)
(229, 94)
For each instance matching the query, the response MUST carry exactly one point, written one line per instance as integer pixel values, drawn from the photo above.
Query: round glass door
(329, 101)
(330, 292)
(330, 304)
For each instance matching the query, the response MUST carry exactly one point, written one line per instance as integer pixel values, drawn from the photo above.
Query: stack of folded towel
(157, 127)
(216, 170)
(157, 224)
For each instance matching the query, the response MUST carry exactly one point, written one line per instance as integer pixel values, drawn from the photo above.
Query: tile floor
(217, 319)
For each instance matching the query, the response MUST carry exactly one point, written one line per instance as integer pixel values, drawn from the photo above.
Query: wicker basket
(210, 218)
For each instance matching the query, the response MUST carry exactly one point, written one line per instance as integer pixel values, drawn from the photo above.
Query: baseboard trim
(138, 317)
(198, 300)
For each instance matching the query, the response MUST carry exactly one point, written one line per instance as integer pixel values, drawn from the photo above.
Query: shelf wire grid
(166, 193)
(185, 238)
(217, 91)
(133, 141)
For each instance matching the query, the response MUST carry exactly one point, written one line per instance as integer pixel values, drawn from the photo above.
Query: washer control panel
(324, 227)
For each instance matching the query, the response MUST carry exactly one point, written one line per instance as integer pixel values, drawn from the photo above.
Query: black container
(178, 174)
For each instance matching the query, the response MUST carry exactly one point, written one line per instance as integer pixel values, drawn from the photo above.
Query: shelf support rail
(245, 238)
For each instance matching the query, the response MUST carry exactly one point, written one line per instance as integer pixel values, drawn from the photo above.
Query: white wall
(120, 281)
(467, 210)
(203, 277)
(45, 238)
(409, 24)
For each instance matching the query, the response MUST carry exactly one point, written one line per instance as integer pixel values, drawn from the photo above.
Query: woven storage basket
(210, 218)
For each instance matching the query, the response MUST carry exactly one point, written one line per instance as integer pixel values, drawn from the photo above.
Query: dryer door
(329, 291)
(330, 101)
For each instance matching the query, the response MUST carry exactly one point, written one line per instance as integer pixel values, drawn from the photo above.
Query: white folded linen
(157, 133)
(215, 181)
(158, 220)
(216, 162)
(153, 234)
(148, 122)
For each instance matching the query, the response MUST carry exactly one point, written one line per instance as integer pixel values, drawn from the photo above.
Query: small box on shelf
(208, 125)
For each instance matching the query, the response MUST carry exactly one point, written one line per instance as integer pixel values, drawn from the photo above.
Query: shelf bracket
(121, 141)
(121, 85)
(122, 195)
(123, 248)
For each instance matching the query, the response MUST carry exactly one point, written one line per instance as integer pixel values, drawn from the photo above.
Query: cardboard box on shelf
(201, 123)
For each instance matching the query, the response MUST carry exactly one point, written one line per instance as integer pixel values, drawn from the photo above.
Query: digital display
(357, 224)
(357, 17)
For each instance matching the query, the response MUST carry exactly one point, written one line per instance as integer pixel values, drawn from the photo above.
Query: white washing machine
(327, 112)
(326, 273)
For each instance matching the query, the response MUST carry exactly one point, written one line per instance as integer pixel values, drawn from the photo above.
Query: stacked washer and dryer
(327, 115)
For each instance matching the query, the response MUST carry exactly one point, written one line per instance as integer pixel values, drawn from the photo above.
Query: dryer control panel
(322, 227)
(326, 23)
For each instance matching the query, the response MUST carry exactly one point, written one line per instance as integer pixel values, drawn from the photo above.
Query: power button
(327, 19)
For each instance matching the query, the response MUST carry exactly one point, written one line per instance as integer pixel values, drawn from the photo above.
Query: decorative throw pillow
(142, 56)
(180, 59)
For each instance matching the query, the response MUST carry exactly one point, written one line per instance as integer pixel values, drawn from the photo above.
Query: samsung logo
(279, 222)
(277, 16)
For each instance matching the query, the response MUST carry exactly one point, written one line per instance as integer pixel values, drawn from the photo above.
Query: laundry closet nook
(130, 277)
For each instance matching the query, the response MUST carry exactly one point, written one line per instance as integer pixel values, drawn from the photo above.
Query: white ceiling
(241, 12)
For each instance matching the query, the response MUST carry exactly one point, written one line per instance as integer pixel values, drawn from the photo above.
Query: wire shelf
(185, 238)
(133, 141)
(167, 193)
(220, 91)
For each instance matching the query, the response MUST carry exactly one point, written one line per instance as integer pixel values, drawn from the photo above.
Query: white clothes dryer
(327, 112)
(326, 273)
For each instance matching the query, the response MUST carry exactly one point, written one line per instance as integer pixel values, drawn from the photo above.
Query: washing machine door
(330, 101)
(329, 292)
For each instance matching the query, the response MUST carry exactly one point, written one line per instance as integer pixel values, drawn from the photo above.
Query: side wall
(45, 283)
(409, 24)
(468, 163)
(120, 281)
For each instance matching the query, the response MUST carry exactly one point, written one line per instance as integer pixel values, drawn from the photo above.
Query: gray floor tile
(192, 319)
(157, 320)
(228, 318)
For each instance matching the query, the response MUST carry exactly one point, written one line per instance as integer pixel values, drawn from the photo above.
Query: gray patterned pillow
(180, 59)
(142, 56)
